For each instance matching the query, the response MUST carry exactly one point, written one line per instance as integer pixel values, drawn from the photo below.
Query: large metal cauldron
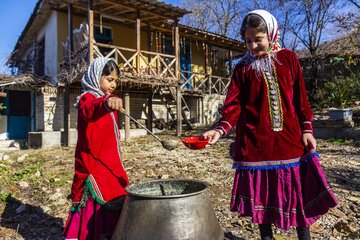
(168, 210)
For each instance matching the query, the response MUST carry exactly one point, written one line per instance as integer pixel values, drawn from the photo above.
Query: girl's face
(108, 83)
(256, 42)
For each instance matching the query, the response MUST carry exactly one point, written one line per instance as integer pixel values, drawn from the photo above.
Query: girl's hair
(109, 67)
(253, 21)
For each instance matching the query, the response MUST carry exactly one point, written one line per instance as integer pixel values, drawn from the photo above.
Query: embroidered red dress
(99, 183)
(276, 180)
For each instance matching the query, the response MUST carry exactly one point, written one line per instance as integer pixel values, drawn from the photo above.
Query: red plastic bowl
(194, 142)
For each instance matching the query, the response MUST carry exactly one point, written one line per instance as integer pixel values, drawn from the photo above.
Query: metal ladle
(167, 144)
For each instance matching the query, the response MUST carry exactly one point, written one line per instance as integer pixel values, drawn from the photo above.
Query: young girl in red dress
(98, 189)
(278, 177)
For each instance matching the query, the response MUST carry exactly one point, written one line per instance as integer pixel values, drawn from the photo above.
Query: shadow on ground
(30, 222)
(345, 177)
(230, 236)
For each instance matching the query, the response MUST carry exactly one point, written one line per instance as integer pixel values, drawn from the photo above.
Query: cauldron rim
(146, 196)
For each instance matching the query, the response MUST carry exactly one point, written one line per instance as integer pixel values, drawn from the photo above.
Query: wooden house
(171, 73)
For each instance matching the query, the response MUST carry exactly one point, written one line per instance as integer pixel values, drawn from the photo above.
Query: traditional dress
(98, 188)
(277, 181)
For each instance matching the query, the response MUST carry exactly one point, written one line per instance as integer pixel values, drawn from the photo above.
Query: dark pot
(168, 209)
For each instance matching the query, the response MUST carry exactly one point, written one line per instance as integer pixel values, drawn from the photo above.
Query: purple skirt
(92, 222)
(294, 195)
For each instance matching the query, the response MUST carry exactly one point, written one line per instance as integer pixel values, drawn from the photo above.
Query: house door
(185, 56)
(19, 114)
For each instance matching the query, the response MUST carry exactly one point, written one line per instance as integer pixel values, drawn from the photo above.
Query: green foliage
(337, 141)
(342, 91)
(337, 59)
(4, 196)
(2, 106)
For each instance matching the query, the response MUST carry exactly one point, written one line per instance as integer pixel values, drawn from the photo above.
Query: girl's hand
(212, 135)
(309, 140)
(115, 103)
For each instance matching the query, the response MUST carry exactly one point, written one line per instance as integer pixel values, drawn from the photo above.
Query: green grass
(338, 141)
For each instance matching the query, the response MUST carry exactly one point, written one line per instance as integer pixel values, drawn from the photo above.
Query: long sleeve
(92, 108)
(232, 108)
(301, 102)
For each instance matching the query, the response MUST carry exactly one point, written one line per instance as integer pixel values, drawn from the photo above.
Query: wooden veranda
(151, 66)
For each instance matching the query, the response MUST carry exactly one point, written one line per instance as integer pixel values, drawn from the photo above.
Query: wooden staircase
(168, 96)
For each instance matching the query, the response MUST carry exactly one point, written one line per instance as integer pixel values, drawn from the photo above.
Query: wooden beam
(138, 40)
(209, 63)
(150, 110)
(91, 36)
(112, 6)
(127, 110)
(125, 11)
(67, 87)
(177, 50)
(206, 58)
(177, 75)
(136, 7)
(230, 60)
(178, 111)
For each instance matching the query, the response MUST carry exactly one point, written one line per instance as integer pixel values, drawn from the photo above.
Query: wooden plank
(114, 46)
(150, 110)
(177, 50)
(206, 58)
(127, 120)
(138, 41)
(178, 111)
(91, 36)
(66, 117)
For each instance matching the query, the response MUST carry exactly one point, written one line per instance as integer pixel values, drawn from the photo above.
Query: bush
(341, 92)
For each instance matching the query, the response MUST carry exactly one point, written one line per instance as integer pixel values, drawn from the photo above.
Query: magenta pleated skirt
(92, 222)
(287, 196)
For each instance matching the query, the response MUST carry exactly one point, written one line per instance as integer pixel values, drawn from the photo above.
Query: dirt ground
(35, 184)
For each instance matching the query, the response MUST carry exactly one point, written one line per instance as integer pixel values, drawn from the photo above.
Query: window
(40, 57)
(103, 37)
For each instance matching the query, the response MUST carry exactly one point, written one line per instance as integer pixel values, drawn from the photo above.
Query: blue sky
(14, 15)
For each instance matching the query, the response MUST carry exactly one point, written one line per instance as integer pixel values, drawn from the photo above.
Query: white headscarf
(273, 34)
(91, 79)
(272, 28)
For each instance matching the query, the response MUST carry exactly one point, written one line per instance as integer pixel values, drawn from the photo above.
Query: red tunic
(248, 106)
(97, 156)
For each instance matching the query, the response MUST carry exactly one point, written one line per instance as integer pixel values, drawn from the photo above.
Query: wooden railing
(138, 63)
(205, 83)
(161, 65)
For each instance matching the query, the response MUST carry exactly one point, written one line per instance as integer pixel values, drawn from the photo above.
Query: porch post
(138, 41)
(150, 110)
(178, 89)
(91, 30)
(149, 41)
(127, 110)
(207, 65)
(230, 59)
(68, 81)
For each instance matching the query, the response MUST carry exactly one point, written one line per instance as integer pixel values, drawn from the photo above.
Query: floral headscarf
(91, 79)
(255, 62)
(272, 29)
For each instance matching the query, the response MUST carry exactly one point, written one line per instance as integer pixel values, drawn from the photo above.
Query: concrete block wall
(212, 104)
(139, 108)
(50, 110)
(39, 112)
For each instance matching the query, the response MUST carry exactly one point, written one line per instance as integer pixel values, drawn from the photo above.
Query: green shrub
(342, 91)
